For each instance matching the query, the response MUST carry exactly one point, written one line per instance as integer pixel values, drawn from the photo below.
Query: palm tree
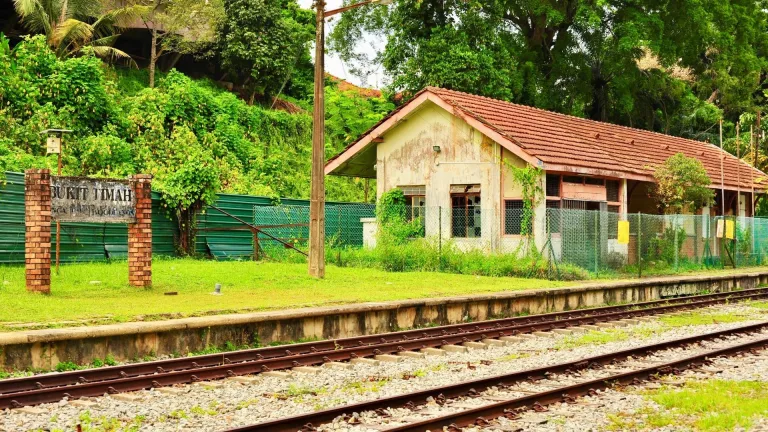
(71, 25)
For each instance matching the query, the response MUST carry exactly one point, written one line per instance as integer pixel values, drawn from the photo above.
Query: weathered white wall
(406, 157)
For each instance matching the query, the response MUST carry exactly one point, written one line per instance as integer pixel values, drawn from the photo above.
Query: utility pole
(317, 194)
(317, 190)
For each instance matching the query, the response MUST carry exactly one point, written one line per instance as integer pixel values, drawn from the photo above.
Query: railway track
(48, 388)
(515, 403)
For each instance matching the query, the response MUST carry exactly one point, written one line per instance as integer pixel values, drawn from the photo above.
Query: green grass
(713, 405)
(668, 322)
(593, 337)
(700, 318)
(246, 286)
(763, 305)
(708, 406)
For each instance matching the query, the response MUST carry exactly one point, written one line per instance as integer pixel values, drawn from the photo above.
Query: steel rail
(480, 416)
(93, 382)
(292, 424)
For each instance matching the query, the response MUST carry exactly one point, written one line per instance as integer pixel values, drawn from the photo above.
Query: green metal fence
(218, 235)
(80, 242)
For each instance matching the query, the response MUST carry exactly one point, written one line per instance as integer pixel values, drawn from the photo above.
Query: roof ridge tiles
(548, 112)
(600, 124)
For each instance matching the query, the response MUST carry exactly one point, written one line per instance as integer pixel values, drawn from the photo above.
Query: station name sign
(80, 199)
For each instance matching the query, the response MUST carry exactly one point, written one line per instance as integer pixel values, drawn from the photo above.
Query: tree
(682, 184)
(71, 25)
(261, 41)
(183, 26)
(581, 57)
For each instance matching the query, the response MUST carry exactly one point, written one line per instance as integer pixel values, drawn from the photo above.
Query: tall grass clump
(425, 255)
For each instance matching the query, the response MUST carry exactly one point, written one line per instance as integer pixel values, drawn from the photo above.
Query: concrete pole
(317, 194)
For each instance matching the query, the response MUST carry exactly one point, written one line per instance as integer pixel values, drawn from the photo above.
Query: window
(513, 217)
(612, 190)
(613, 221)
(553, 185)
(466, 212)
(554, 216)
(417, 210)
(573, 179)
(415, 201)
(415, 204)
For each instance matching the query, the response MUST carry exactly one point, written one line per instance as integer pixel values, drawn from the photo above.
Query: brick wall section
(140, 233)
(37, 218)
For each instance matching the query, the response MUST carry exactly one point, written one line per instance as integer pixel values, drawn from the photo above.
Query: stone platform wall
(44, 349)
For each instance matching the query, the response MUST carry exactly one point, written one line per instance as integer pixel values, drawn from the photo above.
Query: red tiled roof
(559, 139)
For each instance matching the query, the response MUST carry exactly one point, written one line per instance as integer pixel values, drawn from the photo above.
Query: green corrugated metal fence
(87, 241)
(239, 244)
(79, 241)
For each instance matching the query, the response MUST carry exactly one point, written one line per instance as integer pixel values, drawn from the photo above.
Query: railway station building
(451, 150)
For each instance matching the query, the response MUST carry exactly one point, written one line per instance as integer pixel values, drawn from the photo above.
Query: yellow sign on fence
(623, 232)
(730, 229)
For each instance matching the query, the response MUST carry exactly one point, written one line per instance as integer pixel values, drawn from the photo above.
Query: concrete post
(140, 233)
(37, 219)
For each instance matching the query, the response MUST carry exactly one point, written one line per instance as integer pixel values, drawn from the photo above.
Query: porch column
(624, 200)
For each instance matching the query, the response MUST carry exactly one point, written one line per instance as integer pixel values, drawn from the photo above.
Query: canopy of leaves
(682, 184)
(659, 65)
(71, 25)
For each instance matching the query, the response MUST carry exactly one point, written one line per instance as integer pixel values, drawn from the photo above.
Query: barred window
(513, 218)
(612, 190)
(554, 216)
(553, 185)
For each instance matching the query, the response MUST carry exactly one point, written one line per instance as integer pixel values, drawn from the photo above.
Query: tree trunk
(153, 58)
(187, 230)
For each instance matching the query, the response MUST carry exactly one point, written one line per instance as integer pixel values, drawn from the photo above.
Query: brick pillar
(37, 218)
(140, 233)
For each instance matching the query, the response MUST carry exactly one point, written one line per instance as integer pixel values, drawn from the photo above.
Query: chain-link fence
(654, 244)
(600, 242)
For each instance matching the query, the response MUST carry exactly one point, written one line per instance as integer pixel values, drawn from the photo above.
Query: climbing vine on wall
(529, 180)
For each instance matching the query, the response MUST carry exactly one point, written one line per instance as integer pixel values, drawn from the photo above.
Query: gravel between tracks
(230, 404)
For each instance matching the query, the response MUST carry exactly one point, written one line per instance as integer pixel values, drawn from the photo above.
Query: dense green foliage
(659, 65)
(682, 184)
(195, 138)
(261, 42)
(395, 228)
